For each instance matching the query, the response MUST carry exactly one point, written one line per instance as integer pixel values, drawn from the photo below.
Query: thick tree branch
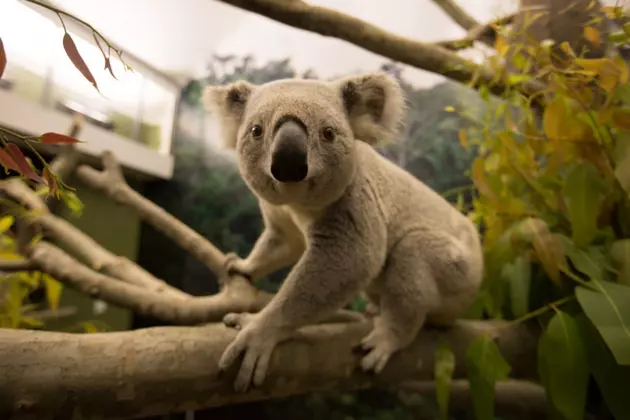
(169, 369)
(425, 56)
(513, 399)
(237, 296)
(111, 183)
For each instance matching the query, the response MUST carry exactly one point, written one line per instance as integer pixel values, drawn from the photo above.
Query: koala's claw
(256, 343)
(237, 320)
(236, 265)
(380, 345)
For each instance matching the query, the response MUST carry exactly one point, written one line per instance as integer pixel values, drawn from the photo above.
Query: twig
(12, 266)
(459, 15)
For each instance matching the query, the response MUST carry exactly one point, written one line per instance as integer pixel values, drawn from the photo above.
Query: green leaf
(443, 368)
(583, 193)
(518, 276)
(30, 322)
(613, 380)
(589, 262)
(53, 291)
(609, 310)
(620, 254)
(485, 366)
(562, 366)
(5, 223)
(622, 164)
(72, 201)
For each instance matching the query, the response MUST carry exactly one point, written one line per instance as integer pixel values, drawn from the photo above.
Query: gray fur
(356, 223)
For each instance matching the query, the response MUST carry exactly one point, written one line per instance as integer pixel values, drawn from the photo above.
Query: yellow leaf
(620, 118)
(566, 48)
(611, 72)
(479, 179)
(449, 109)
(53, 291)
(548, 247)
(89, 327)
(501, 45)
(554, 119)
(592, 35)
(6, 222)
(463, 138)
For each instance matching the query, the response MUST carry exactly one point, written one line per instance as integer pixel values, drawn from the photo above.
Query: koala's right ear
(227, 103)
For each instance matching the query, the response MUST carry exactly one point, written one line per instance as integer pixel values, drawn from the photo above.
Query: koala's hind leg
(408, 292)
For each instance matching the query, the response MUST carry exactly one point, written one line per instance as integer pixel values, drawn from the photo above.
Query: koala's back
(445, 236)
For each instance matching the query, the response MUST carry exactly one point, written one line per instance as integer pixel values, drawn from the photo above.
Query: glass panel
(28, 39)
(158, 110)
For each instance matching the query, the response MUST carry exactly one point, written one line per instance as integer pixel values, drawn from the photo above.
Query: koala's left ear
(227, 103)
(375, 105)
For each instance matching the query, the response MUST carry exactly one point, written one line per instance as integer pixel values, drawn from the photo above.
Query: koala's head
(296, 139)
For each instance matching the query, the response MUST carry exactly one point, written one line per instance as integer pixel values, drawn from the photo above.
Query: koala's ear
(227, 103)
(375, 105)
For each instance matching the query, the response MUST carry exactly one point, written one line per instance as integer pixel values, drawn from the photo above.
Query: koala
(346, 219)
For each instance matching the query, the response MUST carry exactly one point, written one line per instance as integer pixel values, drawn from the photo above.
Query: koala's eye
(256, 131)
(328, 133)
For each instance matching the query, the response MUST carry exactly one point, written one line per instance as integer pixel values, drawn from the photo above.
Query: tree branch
(12, 266)
(237, 296)
(425, 56)
(111, 183)
(458, 14)
(154, 371)
(513, 399)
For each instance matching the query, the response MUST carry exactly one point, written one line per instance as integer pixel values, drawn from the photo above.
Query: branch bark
(161, 370)
(425, 56)
(513, 399)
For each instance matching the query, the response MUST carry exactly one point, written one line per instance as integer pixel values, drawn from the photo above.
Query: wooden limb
(513, 399)
(12, 266)
(425, 56)
(458, 14)
(155, 371)
(240, 296)
(81, 245)
(111, 183)
(486, 34)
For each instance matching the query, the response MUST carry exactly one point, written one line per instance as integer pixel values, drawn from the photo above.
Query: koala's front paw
(258, 344)
(380, 344)
(235, 265)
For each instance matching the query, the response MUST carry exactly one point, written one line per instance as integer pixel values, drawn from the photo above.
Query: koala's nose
(289, 156)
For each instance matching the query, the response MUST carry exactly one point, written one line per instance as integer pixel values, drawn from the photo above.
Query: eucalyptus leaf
(583, 193)
(613, 380)
(562, 366)
(485, 366)
(608, 308)
(444, 367)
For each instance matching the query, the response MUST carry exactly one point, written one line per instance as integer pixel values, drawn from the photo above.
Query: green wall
(116, 228)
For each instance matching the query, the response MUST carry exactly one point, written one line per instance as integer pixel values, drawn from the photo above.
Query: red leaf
(24, 168)
(7, 161)
(3, 58)
(73, 54)
(56, 138)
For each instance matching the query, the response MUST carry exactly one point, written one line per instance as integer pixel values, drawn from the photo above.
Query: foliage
(12, 158)
(552, 197)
